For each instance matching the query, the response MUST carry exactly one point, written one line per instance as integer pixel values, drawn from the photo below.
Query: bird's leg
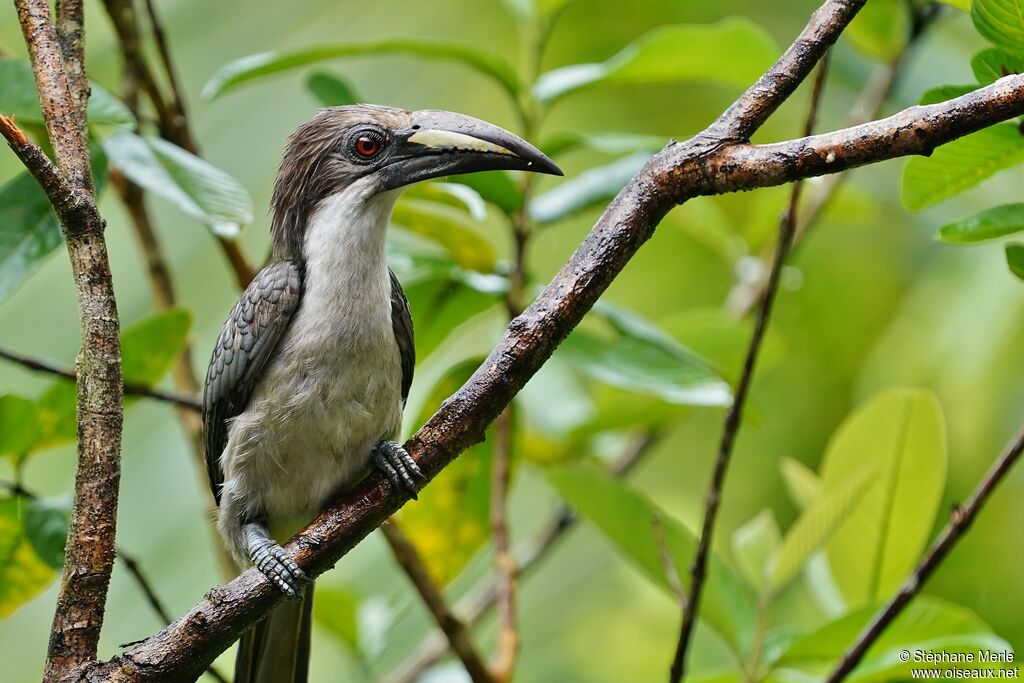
(269, 557)
(395, 463)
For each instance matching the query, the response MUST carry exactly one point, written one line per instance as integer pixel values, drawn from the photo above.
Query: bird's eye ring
(367, 145)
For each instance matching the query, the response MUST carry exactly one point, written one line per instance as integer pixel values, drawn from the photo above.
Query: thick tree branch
(456, 632)
(89, 553)
(734, 417)
(962, 518)
(187, 401)
(703, 165)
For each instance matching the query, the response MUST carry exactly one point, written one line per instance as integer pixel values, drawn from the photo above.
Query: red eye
(367, 146)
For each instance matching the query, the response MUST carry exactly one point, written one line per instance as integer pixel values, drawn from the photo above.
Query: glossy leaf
(263, 64)
(945, 92)
(467, 247)
(449, 522)
(1015, 259)
(901, 433)
(754, 546)
(591, 188)
(990, 224)
(1001, 21)
(626, 518)
(193, 185)
(927, 624)
(960, 165)
(329, 90)
(496, 187)
(802, 483)
(817, 524)
(18, 98)
(46, 524)
(629, 362)
(23, 575)
(880, 30)
(733, 51)
(992, 64)
(336, 611)
(450, 194)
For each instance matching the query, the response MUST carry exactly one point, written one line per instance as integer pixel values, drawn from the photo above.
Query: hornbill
(308, 379)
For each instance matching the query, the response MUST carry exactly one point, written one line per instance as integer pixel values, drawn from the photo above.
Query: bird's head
(380, 149)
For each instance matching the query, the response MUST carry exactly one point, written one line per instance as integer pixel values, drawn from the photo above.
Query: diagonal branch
(703, 165)
(734, 417)
(188, 401)
(963, 517)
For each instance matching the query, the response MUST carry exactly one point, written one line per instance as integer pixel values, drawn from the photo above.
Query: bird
(310, 373)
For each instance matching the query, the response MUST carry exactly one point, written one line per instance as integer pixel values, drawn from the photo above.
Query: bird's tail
(276, 650)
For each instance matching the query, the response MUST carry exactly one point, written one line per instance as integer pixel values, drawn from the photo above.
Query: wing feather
(401, 321)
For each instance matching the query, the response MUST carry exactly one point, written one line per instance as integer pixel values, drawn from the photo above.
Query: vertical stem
(734, 417)
(508, 629)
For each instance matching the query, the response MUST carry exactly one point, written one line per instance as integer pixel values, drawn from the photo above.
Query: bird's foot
(395, 463)
(269, 557)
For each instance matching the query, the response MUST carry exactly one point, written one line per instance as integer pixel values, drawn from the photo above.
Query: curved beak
(441, 143)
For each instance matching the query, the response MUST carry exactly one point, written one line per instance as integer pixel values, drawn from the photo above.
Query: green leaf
(945, 92)
(23, 575)
(990, 224)
(29, 231)
(46, 524)
(672, 373)
(590, 188)
(733, 51)
(802, 483)
(992, 64)
(901, 434)
(960, 165)
(449, 522)
(495, 187)
(18, 98)
(467, 247)
(962, 5)
(19, 426)
(193, 185)
(926, 624)
(329, 90)
(881, 29)
(150, 346)
(607, 143)
(256, 66)
(450, 194)
(817, 525)
(337, 611)
(754, 546)
(1001, 21)
(1015, 258)
(627, 519)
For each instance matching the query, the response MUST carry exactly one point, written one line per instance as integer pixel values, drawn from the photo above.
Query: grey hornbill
(309, 376)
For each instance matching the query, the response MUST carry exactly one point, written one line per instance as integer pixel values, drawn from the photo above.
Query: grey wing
(401, 321)
(250, 334)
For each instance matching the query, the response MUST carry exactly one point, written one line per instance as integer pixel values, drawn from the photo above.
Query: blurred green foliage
(840, 478)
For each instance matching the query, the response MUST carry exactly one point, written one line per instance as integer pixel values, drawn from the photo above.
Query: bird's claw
(281, 570)
(395, 463)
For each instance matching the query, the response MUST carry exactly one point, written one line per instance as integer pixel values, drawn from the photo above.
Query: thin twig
(177, 91)
(961, 520)
(483, 602)
(181, 400)
(705, 164)
(454, 629)
(507, 650)
(734, 417)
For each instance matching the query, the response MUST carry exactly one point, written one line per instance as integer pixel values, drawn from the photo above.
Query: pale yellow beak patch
(446, 139)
